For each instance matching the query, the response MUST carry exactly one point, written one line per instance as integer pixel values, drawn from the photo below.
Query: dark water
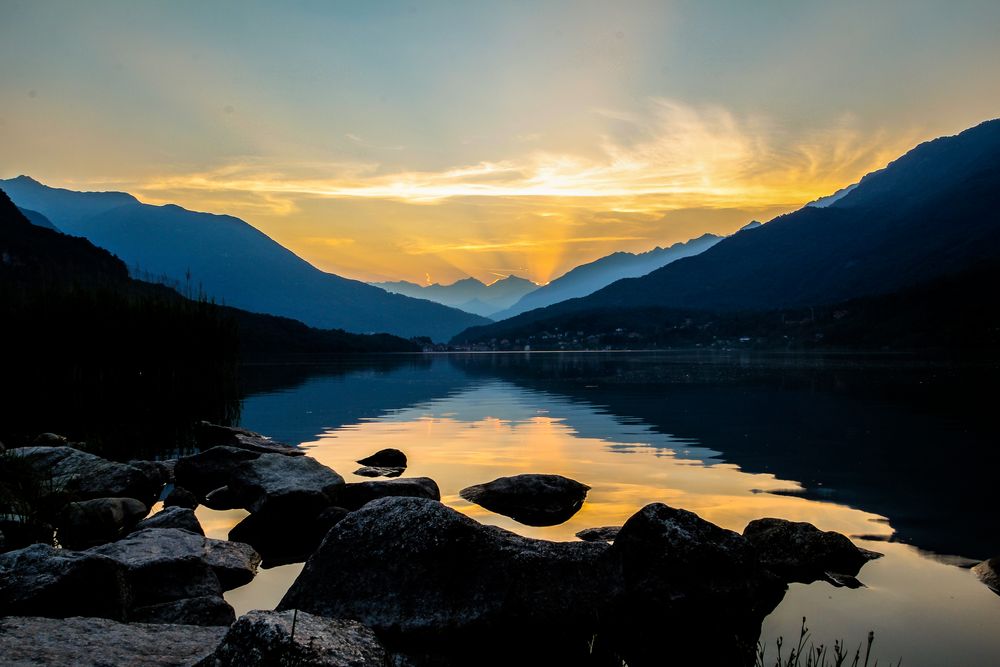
(900, 454)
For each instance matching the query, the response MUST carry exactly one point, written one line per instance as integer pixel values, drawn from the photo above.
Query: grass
(808, 654)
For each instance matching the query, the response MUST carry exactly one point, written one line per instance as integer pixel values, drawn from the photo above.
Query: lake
(899, 454)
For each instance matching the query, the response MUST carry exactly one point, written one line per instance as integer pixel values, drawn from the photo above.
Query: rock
(50, 440)
(265, 638)
(204, 610)
(161, 471)
(273, 475)
(420, 573)
(155, 552)
(798, 551)
(180, 497)
(602, 534)
(212, 435)
(43, 581)
(989, 573)
(98, 642)
(357, 494)
(87, 476)
(700, 583)
(20, 531)
(210, 469)
(221, 499)
(372, 471)
(91, 522)
(385, 458)
(288, 528)
(534, 500)
(172, 517)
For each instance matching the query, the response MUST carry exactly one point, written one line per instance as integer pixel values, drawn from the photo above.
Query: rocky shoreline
(391, 575)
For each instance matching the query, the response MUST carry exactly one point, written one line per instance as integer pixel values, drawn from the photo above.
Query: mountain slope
(928, 214)
(232, 262)
(588, 278)
(468, 294)
(36, 218)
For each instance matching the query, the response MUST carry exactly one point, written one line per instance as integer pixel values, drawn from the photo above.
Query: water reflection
(887, 452)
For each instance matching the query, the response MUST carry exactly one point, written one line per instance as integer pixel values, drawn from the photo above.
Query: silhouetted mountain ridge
(468, 294)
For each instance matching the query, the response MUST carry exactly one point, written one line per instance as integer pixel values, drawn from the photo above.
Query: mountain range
(228, 260)
(468, 294)
(927, 215)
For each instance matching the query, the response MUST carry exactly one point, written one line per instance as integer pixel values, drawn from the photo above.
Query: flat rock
(264, 638)
(374, 471)
(274, 475)
(799, 551)
(602, 534)
(208, 470)
(97, 642)
(87, 476)
(989, 573)
(41, 580)
(172, 517)
(90, 522)
(357, 494)
(531, 499)
(385, 458)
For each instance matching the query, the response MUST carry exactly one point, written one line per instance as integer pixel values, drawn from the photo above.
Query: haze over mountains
(929, 214)
(468, 294)
(232, 262)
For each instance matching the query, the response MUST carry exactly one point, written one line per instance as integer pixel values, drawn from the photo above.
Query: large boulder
(799, 551)
(274, 475)
(288, 528)
(98, 642)
(208, 470)
(531, 499)
(90, 522)
(989, 573)
(43, 581)
(357, 494)
(172, 517)
(86, 476)
(266, 638)
(385, 458)
(213, 435)
(423, 575)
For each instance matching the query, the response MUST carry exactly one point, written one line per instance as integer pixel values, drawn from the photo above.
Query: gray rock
(210, 469)
(50, 440)
(417, 571)
(172, 517)
(149, 553)
(989, 573)
(385, 458)
(203, 610)
(43, 581)
(357, 494)
(373, 471)
(161, 471)
(265, 638)
(275, 475)
(798, 551)
(602, 534)
(90, 522)
(180, 497)
(212, 435)
(87, 476)
(97, 642)
(531, 499)
(221, 499)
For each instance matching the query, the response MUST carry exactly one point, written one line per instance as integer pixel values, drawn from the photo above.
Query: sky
(429, 141)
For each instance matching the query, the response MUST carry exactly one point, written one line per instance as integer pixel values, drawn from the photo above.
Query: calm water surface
(899, 455)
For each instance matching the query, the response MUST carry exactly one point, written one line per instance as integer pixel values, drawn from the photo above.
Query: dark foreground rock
(264, 638)
(172, 517)
(288, 528)
(268, 476)
(211, 469)
(97, 642)
(385, 458)
(531, 499)
(180, 497)
(798, 551)
(212, 435)
(602, 534)
(43, 581)
(91, 522)
(86, 476)
(356, 495)
(209, 609)
(989, 573)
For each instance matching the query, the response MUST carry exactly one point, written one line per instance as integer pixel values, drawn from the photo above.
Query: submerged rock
(265, 638)
(385, 458)
(799, 551)
(269, 476)
(989, 573)
(172, 517)
(374, 471)
(357, 494)
(91, 522)
(43, 581)
(98, 642)
(180, 497)
(86, 476)
(531, 499)
(208, 470)
(602, 534)
(212, 435)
